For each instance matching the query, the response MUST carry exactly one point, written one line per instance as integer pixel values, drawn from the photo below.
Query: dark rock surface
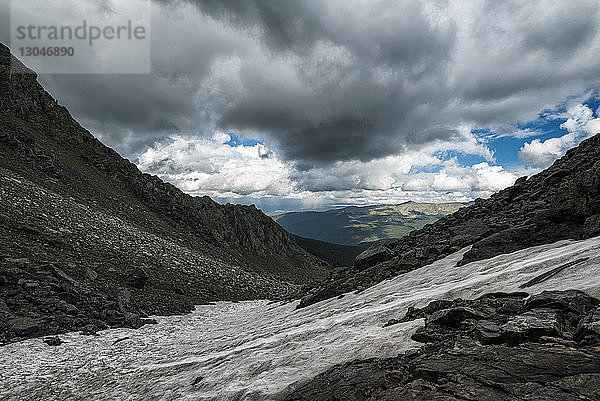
(53, 341)
(498, 347)
(376, 254)
(138, 278)
(87, 241)
(562, 202)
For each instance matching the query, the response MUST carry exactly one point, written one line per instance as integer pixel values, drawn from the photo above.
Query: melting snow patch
(253, 350)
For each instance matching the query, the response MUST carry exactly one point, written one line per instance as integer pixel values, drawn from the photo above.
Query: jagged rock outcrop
(68, 201)
(498, 347)
(562, 202)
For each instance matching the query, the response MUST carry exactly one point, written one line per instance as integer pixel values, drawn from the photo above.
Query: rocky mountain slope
(497, 347)
(355, 225)
(87, 240)
(562, 202)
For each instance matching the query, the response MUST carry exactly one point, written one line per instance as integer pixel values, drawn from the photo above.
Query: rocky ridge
(41, 141)
(562, 202)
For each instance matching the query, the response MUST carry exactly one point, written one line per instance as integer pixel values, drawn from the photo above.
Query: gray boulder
(375, 254)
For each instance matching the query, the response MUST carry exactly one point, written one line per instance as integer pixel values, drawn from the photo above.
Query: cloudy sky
(309, 104)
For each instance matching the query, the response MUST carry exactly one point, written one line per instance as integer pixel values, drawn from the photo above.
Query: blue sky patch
(464, 159)
(547, 125)
(235, 141)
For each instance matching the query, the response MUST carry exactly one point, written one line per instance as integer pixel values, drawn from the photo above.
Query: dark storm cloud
(531, 48)
(353, 67)
(388, 31)
(342, 80)
(413, 73)
(123, 106)
(130, 112)
(123, 103)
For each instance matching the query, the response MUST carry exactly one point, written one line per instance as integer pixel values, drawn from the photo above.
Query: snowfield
(259, 351)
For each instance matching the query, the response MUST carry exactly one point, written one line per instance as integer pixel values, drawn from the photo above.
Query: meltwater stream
(259, 351)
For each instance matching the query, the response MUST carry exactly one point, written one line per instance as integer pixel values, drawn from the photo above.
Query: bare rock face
(562, 202)
(498, 347)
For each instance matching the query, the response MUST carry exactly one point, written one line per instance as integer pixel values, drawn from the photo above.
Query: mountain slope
(45, 153)
(354, 225)
(562, 202)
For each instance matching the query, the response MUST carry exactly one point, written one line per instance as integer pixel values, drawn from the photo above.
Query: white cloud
(515, 133)
(208, 166)
(481, 179)
(493, 178)
(542, 154)
(253, 174)
(580, 124)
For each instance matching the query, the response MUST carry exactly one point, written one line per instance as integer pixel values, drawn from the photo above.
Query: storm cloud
(344, 81)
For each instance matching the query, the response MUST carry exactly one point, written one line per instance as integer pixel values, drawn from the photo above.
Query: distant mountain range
(356, 226)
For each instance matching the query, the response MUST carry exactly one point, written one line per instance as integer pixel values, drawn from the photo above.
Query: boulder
(124, 300)
(572, 300)
(588, 329)
(133, 320)
(53, 341)
(453, 317)
(422, 253)
(3, 308)
(532, 325)
(90, 273)
(24, 326)
(520, 181)
(60, 274)
(431, 251)
(374, 255)
(488, 332)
